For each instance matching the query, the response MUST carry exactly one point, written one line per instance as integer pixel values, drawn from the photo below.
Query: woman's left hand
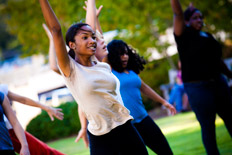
(98, 11)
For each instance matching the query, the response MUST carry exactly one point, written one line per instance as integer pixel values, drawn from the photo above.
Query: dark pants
(208, 98)
(123, 140)
(7, 152)
(153, 136)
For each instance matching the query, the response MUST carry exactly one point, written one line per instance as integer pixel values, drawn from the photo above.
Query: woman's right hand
(54, 112)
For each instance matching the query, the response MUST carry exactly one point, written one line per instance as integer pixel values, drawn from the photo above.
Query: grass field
(182, 132)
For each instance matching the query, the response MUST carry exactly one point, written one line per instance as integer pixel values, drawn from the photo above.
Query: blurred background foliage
(138, 22)
(142, 22)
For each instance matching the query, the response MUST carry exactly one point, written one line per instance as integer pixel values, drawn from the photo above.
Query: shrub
(45, 129)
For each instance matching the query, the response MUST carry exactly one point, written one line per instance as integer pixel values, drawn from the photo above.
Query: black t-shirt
(200, 55)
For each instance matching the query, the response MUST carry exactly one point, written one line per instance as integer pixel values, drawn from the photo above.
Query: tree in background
(139, 23)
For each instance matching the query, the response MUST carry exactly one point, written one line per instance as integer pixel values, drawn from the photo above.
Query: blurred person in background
(6, 146)
(202, 68)
(36, 146)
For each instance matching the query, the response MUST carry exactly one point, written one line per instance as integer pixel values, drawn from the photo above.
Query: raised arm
(178, 22)
(91, 14)
(146, 90)
(55, 29)
(10, 114)
(98, 11)
(52, 112)
(52, 51)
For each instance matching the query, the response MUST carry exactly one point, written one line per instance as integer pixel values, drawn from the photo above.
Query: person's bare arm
(55, 29)
(52, 51)
(10, 114)
(83, 132)
(178, 20)
(91, 14)
(146, 90)
(52, 112)
(97, 24)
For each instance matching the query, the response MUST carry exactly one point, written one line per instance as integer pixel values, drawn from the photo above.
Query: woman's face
(196, 20)
(124, 58)
(85, 42)
(101, 50)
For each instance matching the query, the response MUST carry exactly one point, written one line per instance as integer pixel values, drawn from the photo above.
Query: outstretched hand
(171, 108)
(83, 134)
(55, 112)
(98, 11)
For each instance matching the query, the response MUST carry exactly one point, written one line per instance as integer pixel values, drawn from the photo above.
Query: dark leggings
(123, 140)
(7, 152)
(208, 98)
(153, 136)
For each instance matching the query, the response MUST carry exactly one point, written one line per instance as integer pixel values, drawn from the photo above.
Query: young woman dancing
(93, 86)
(126, 65)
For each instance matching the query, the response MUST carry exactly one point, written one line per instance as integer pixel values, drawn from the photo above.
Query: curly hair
(116, 48)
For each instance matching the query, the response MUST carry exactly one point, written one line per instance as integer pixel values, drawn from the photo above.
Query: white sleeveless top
(96, 90)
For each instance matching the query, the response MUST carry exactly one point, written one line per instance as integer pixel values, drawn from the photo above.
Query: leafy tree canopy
(139, 22)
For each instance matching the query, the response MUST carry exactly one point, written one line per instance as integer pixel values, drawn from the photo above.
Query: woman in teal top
(130, 85)
(126, 65)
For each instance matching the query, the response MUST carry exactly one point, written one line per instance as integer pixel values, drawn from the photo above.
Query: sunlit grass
(69, 147)
(182, 132)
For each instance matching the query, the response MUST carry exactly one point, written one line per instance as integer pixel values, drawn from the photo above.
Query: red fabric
(36, 147)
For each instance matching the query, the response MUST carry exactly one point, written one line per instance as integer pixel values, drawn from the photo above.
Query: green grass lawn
(182, 132)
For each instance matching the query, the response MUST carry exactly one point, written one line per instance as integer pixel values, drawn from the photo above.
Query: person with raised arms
(94, 87)
(202, 68)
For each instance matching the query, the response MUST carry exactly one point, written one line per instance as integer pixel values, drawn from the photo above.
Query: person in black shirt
(202, 69)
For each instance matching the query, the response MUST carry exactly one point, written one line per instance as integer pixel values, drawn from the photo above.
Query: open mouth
(124, 62)
(93, 47)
